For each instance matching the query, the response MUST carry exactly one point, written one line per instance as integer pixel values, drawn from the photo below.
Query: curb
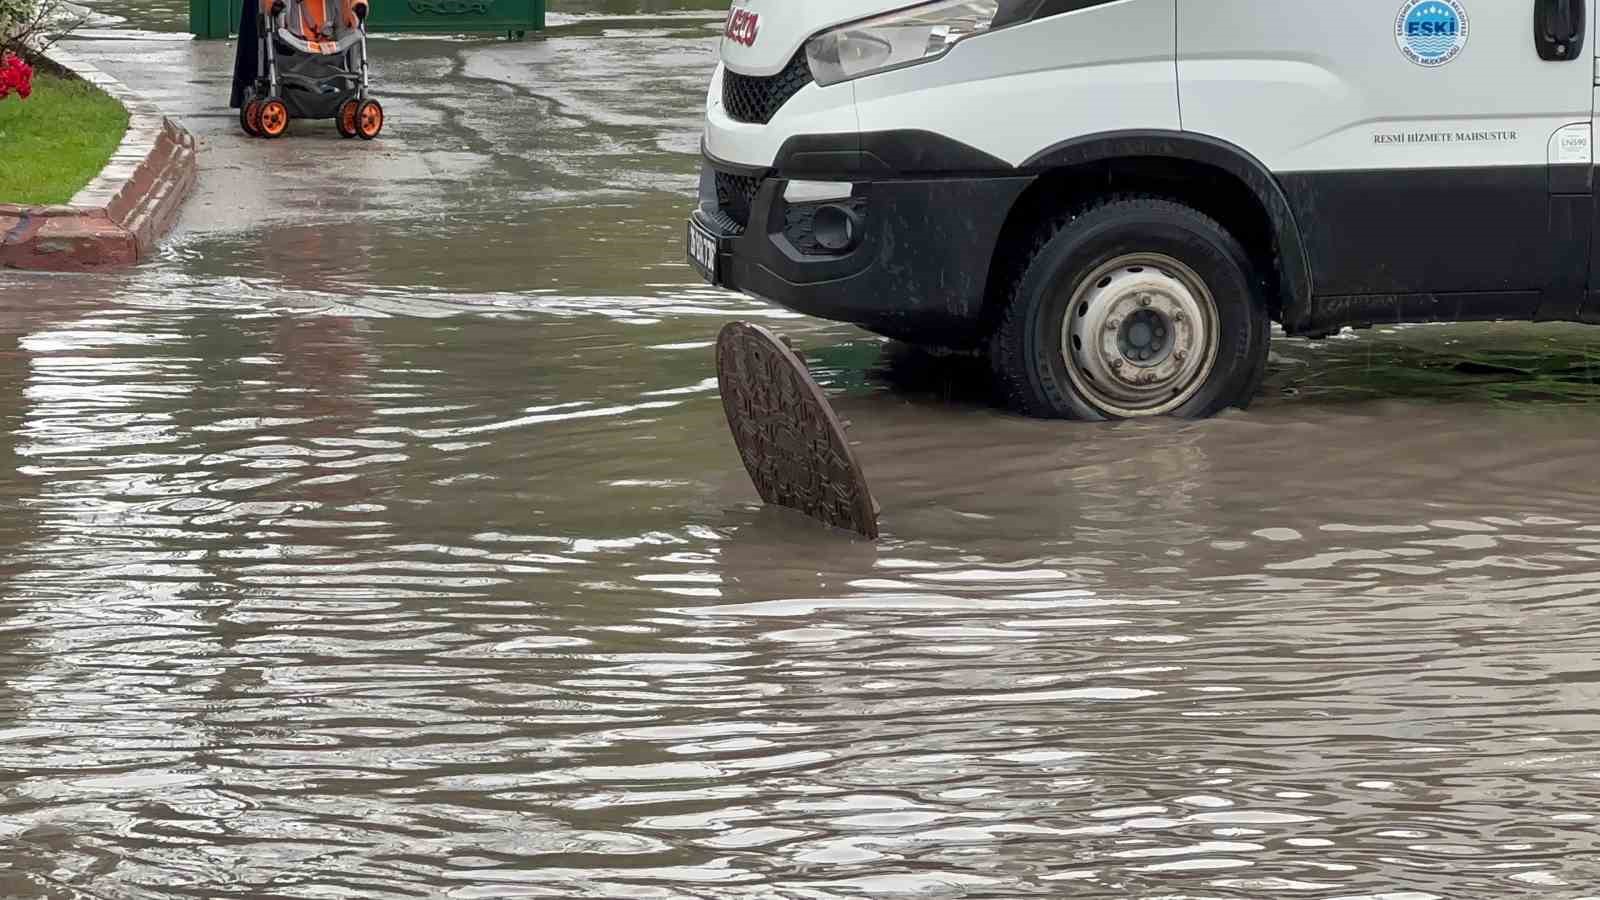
(120, 216)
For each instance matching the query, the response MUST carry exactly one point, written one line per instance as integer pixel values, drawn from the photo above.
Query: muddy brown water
(384, 539)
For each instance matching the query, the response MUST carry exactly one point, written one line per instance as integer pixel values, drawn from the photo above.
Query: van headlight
(903, 38)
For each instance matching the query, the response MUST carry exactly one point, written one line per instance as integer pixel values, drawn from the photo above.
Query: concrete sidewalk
(475, 127)
(190, 80)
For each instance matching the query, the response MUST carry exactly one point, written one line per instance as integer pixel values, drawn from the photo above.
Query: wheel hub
(1145, 339)
(1141, 335)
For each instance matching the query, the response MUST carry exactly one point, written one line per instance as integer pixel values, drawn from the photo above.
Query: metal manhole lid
(792, 443)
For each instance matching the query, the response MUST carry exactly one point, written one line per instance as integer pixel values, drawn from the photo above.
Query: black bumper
(919, 271)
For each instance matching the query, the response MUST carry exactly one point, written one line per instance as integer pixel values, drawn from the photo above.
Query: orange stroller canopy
(322, 26)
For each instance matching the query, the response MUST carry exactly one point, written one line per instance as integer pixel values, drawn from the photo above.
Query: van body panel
(1015, 92)
(1405, 178)
(815, 110)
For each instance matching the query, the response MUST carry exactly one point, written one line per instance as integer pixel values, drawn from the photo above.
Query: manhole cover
(792, 443)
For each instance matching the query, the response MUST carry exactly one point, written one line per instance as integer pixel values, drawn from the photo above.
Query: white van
(1117, 197)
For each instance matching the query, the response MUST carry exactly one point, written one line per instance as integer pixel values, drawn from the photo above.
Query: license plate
(703, 252)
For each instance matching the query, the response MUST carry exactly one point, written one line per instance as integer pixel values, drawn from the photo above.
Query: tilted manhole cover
(789, 437)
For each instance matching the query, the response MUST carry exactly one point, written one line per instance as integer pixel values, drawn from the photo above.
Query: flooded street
(383, 538)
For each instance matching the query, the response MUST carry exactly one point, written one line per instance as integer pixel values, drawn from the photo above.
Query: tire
(1132, 308)
(369, 119)
(273, 119)
(246, 121)
(251, 117)
(345, 118)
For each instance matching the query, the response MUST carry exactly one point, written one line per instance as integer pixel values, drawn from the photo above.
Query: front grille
(757, 100)
(736, 194)
(722, 223)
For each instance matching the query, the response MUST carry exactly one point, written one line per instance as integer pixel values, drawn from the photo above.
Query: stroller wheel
(346, 119)
(369, 120)
(273, 120)
(250, 116)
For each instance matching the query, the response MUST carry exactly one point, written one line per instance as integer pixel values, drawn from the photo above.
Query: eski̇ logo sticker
(1431, 33)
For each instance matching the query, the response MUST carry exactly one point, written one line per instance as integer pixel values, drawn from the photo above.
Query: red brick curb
(118, 218)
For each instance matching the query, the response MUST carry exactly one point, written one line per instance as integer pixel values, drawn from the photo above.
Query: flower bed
(76, 117)
(56, 134)
(16, 76)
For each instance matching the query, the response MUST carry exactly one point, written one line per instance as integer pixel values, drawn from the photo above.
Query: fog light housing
(837, 228)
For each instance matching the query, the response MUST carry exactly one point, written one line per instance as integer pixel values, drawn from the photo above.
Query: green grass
(56, 141)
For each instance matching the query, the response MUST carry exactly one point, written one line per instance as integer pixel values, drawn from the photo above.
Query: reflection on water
(307, 600)
(410, 558)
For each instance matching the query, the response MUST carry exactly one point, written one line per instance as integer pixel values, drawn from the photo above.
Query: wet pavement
(383, 538)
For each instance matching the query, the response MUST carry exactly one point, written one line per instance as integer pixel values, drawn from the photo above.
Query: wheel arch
(1124, 161)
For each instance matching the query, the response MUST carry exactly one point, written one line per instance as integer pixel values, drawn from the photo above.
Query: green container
(515, 18)
(213, 18)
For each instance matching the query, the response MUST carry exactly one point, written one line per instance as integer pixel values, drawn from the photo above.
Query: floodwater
(382, 538)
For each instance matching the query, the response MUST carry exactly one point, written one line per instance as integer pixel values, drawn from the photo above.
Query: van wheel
(1137, 307)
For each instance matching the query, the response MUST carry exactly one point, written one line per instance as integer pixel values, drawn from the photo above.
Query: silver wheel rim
(1141, 336)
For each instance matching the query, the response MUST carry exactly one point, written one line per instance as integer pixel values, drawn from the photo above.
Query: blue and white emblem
(1431, 33)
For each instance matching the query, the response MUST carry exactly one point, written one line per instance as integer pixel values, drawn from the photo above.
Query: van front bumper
(919, 265)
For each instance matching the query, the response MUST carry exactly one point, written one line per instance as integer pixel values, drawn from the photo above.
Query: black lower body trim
(1406, 231)
(918, 272)
(904, 153)
(1441, 245)
(1390, 246)
(1337, 312)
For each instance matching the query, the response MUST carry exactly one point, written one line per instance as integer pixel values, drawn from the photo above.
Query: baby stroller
(310, 63)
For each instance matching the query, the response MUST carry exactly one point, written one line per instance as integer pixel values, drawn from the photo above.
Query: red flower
(15, 75)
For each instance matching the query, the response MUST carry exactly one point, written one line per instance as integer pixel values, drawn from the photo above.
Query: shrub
(28, 27)
(15, 11)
